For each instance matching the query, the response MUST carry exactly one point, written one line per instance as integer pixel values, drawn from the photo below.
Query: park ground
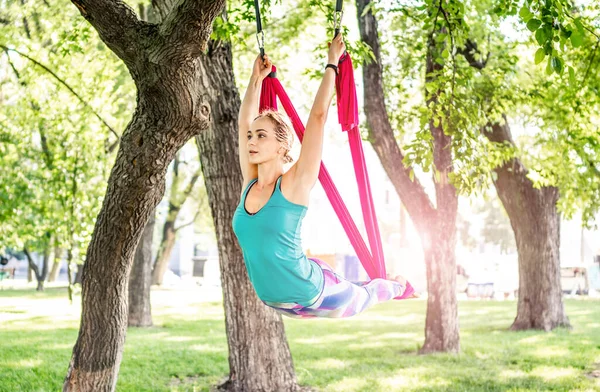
(186, 350)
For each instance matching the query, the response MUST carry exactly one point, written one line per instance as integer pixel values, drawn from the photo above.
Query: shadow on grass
(375, 351)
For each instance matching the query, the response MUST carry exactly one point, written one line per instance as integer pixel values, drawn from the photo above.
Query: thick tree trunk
(441, 325)
(259, 356)
(164, 62)
(536, 223)
(436, 224)
(168, 114)
(140, 314)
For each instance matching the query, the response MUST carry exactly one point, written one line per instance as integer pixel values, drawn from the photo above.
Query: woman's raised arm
(248, 112)
(309, 161)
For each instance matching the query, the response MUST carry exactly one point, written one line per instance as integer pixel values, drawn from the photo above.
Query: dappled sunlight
(592, 325)
(481, 355)
(29, 363)
(373, 344)
(508, 374)
(61, 346)
(580, 313)
(324, 339)
(552, 373)
(550, 352)
(330, 363)
(349, 384)
(180, 338)
(410, 318)
(208, 348)
(535, 339)
(394, 336)
(412, 377)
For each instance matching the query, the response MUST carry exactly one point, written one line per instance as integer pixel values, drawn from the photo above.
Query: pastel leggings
(342, 298)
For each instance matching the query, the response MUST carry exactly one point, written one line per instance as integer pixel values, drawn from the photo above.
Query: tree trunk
(536, 223)
(35, 270)
(259, 356)
(441, 324)
(164, 253)
(140, 314)
(177, 199)
(437, 225)
(55, 270)
(78, 274)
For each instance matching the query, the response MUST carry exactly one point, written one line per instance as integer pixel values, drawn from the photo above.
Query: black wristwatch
(333, 66)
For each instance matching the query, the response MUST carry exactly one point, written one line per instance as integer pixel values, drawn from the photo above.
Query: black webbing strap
(338, 12)
(259, 29)
(258, 22)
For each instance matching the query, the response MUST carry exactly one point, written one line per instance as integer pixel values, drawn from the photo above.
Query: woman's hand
(337, 47)
(262, 68)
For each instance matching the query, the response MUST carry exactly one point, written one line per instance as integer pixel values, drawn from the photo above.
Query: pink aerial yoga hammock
(372, 259)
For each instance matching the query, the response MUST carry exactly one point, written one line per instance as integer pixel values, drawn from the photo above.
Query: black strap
(259, 29)
(257, 11)
(332, 66)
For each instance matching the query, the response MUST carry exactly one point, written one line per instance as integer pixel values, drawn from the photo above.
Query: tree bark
(140, 314)
(164, 61)
(259, 356)
(437, 225)
(536, 223)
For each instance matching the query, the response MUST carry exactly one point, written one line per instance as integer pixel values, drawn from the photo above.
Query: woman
(273, 204)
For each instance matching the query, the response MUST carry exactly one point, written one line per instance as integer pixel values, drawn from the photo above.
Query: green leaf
(557, 64)
(549, 70)
(576, 39)
(525, 14)
(540, 54)
(571, 75)
(445, 53)
(534, 24)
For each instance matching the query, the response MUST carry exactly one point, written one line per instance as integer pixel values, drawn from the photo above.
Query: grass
(376, 351)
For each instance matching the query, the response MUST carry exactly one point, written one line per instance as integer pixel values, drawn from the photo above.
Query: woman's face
(263, 145)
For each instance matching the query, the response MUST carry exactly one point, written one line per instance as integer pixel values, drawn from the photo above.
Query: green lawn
(186, 350)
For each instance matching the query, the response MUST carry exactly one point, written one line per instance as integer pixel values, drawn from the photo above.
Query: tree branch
(469, 52)
(411, 193)
(188, 26)
(117, 25)
(61, 81)
(176, 229)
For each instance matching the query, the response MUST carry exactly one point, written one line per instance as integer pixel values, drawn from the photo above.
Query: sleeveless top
(272, 248)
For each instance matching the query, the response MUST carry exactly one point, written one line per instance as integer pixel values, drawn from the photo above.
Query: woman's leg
(342, 298)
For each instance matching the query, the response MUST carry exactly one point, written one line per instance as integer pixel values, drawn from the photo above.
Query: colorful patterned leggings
(342, 298)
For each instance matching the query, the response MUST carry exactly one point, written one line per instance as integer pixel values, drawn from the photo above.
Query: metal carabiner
(337, 22)
(260, 38)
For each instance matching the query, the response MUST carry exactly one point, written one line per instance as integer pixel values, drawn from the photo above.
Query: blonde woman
(268, 219)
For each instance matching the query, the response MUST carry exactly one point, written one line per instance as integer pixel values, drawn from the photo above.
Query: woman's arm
(248, 112)
(309, 161)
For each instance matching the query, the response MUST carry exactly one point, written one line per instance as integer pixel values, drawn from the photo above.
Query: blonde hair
(283, 130)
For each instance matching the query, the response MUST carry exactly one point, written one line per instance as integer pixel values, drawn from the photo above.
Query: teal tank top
(272, 247)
